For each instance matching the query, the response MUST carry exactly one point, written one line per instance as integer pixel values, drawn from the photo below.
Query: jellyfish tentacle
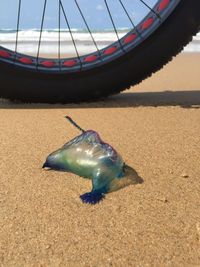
(74, 123)
(92, 197)
(100, 186)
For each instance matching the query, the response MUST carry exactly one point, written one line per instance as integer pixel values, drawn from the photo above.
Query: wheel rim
(133, 38)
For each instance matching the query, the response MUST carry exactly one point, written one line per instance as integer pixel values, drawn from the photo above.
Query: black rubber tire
(130, 69)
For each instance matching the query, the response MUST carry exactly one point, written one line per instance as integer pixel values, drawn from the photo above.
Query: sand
(156, 128)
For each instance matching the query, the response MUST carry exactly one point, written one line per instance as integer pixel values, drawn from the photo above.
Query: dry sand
(156, 127)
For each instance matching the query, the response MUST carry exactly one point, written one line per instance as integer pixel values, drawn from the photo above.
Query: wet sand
(156, 128)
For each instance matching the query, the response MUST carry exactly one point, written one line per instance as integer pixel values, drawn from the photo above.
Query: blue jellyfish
(88, 156)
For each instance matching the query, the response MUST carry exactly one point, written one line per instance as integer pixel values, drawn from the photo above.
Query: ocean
(28, 41)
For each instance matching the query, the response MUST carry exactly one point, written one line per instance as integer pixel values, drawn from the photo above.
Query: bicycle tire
(130, 69)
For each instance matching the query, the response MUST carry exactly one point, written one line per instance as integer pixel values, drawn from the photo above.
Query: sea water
(194, 46)
(28, 41)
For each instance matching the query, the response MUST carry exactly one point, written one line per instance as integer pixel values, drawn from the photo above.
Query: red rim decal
(110, 50)
(146, 26)
(90, 58)
(130, 38)
(70, 63)
(147, 23)
(25, 60)
(163, 5)
(4, 54)
(48, 64)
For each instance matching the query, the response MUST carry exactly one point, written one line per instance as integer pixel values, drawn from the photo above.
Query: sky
(94, 11)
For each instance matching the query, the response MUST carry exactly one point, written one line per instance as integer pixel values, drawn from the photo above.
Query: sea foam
(28, 41)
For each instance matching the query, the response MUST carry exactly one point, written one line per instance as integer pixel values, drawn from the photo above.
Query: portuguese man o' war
(88, 156)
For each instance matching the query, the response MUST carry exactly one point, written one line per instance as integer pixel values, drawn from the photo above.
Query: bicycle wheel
(143, 47)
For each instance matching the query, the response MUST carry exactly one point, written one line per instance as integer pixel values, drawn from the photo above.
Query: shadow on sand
(184, 99)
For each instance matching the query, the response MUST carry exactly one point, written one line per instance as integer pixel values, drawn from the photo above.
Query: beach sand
(156, 128)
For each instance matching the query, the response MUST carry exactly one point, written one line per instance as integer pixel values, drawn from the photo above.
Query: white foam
(52, 36)
(194, 46)
(28, 41)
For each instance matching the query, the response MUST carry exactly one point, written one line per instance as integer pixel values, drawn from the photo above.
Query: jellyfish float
(88, 156)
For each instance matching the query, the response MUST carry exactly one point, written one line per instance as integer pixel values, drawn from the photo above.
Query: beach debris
(184, 175)
(162, 199)
(198, 229)
(89, 157)
(48, 246)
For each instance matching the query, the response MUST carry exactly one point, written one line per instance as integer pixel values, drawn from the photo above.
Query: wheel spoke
(74, 37)
(59, 23)
(113, 24)
(87, 26)
(70, 31)
(131, 21)
(18, 23)
(62, 9)
(153, 11)
(41, 30)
